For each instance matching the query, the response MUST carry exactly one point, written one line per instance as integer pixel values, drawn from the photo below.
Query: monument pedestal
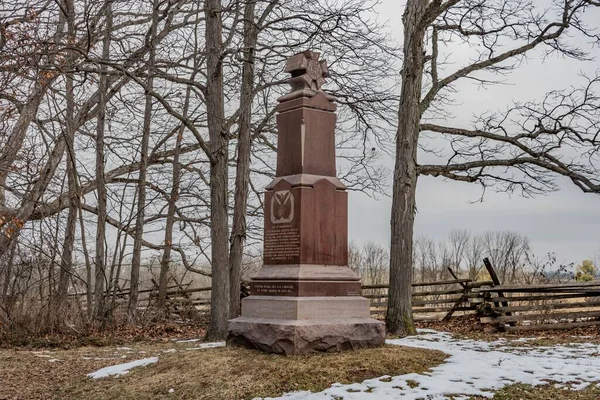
(305, 297)
(300, 336)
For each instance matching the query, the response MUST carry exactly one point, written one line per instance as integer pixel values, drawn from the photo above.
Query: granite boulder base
(305, 297)
(304, 336)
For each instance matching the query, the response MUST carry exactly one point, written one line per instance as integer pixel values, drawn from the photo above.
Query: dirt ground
(55, 367)
(185, 371)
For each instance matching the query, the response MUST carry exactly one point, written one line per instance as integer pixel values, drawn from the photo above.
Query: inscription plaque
(275, 289)
(305, 288)
(282, 243)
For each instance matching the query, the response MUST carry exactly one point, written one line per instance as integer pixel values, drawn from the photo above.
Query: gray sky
(564, 222)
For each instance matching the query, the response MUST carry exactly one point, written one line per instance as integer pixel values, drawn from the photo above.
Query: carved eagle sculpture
(282, 209)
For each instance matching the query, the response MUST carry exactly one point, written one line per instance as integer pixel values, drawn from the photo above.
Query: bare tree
(244, 143)
(507, 251)
(376, 263)
(99, 260)
(474, 257)
(370, 261)
(66, 261)
(219, 311)
(157, 94)
(458, 242)
(522, 148)
(141, 183)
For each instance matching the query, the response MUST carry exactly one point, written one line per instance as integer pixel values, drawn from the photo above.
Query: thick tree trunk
(99, 259)
(399, 319)
(242, 178)
(141, 187)
(219, 310)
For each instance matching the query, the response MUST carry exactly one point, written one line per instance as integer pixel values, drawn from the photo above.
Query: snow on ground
(473, 368)
(121, 369)
(211, 345)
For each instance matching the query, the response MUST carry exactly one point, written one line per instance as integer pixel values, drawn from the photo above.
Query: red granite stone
(306, 206)
(305, 297)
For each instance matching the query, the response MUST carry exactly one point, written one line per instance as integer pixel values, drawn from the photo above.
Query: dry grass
(545, 392)
(223, 373)
(40, 373)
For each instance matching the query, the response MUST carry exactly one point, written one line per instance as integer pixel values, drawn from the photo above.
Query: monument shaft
(305, 297)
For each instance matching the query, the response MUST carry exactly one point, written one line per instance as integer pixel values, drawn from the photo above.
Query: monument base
(296, 325)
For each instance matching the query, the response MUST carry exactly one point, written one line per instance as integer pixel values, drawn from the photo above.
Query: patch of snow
(187, 340)
(580, 386)
(210, 345)
(525, 339)
(473, 368)
(170, 351)
(53, 360)
(424, 330)
(121, 369)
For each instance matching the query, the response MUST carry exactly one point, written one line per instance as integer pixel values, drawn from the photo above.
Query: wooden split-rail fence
(499, 307)
(179, 297)
(539, 307)
(431, 301)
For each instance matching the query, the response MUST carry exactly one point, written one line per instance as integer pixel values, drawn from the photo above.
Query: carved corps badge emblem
(282, 207)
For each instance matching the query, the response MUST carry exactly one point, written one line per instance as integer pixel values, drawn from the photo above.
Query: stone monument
(305, 297)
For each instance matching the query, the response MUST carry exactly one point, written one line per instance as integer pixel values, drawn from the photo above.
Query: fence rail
(500, 307)
(539, 307)
(432, 301)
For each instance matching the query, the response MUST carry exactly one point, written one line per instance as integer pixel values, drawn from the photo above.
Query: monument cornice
(318, 100)
(308, 180)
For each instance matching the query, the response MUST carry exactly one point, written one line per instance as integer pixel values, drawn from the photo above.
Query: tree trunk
(66, 263)
(399, 319)
(166, 258)
(141, 187)
(10, 230)
(9, 153)
(242, 178)
(8, 272)
(99, 259)
(219, 310)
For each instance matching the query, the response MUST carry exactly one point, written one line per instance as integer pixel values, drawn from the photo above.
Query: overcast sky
(564, 222)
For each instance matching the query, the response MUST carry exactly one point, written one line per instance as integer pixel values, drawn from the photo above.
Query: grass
(545, 392)
(222, 373)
